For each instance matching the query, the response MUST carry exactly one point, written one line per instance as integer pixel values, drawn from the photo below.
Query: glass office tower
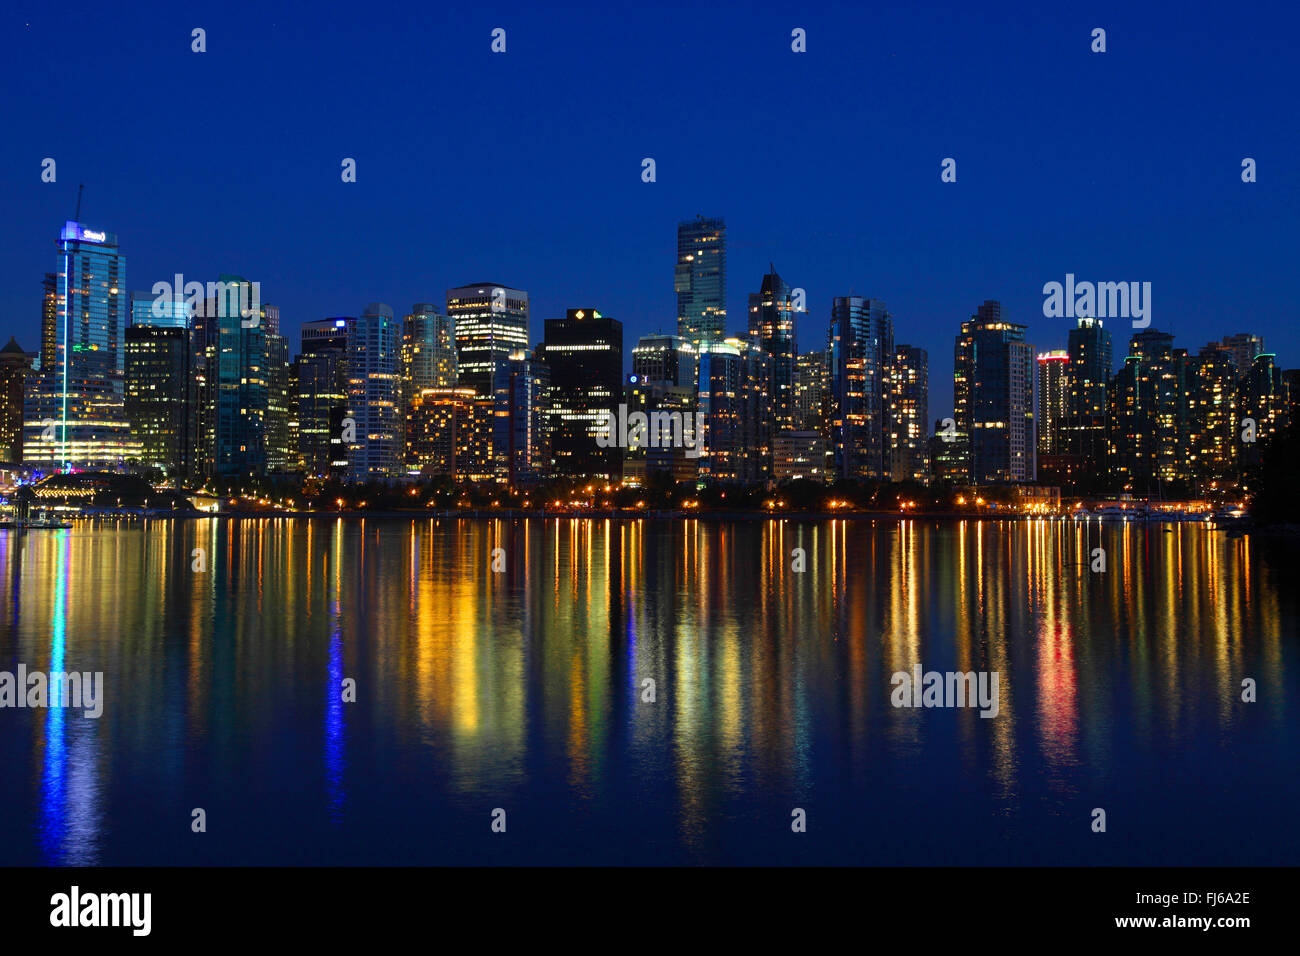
(491, 323)
(81, 390)
(700, 280)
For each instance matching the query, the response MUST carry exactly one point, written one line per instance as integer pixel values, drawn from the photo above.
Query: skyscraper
(993, 397)
(490, 322)
(281, 401)
(322, 396)
(811, 392)
(526, 382)
(80, 389)
(722, 392)
(15, 366)
(861, 349)
(428, 350)
(700, 280)
(1147, 428)
(374, 367)
(584, 355)
(160, 396)
(51, 307)
(428, 354)
(734, 377)
(1053, 400)
(669, 411)
(1211, 444)
(1263, 399)
(1243, 348)
(909, 415)
(233, 375)
(665, 360)
(1082, 430)
(772, 326)
(449, 434)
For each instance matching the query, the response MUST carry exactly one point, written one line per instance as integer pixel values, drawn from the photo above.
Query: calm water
(522, 690)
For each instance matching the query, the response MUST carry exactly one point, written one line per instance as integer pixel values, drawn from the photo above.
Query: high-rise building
(993, 397)
(428, 355)
(491, 323)
(772, 327)
(1053, 400)
(670, 422)
(51, 307)
(233, 378)
(722, 402)
(1082, 429)
(700, 280)
(584, 354)
(1211, 444)
(322, 396)
(949, 455)
(1291, 378)
(909, 415)
(374, 367)
(449, 434)
(1148, 402)
(15, 366)
(1264, 401)
(160, 396)
(861, 349)
(811, 392)
(282, 454)
(665, 360)
(80, 390)
(428, 350)
(1243, 347)
(525, 381)
(734, 377)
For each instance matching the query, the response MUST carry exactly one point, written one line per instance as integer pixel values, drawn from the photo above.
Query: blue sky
(524, 167)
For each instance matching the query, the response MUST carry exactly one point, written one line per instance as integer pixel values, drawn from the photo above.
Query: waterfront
(522, 689)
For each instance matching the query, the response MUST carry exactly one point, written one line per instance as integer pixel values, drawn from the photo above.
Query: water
(523, 690)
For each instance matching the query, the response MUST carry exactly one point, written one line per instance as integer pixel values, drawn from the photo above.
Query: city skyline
(804, 329)
(198, 383)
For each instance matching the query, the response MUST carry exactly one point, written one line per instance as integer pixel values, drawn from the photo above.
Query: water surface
(523, 690)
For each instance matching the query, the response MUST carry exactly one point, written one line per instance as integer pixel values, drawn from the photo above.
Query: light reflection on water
(524, 689)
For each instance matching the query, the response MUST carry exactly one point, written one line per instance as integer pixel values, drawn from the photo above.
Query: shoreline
(664, 515)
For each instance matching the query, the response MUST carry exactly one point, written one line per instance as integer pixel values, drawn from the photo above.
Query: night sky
(524, 168)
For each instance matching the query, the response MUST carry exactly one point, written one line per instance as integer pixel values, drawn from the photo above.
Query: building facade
(700, 280)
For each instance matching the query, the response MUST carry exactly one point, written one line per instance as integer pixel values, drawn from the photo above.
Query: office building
(908, 418)
(700, 280)
(80, 390)
(15, 367)
(374, 420)
(584, 355)
(160, 395)
(993, 398)
(665, 360)
(490, 323)
(861, 350)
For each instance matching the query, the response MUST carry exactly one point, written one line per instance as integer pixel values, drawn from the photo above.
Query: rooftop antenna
(80, 187)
